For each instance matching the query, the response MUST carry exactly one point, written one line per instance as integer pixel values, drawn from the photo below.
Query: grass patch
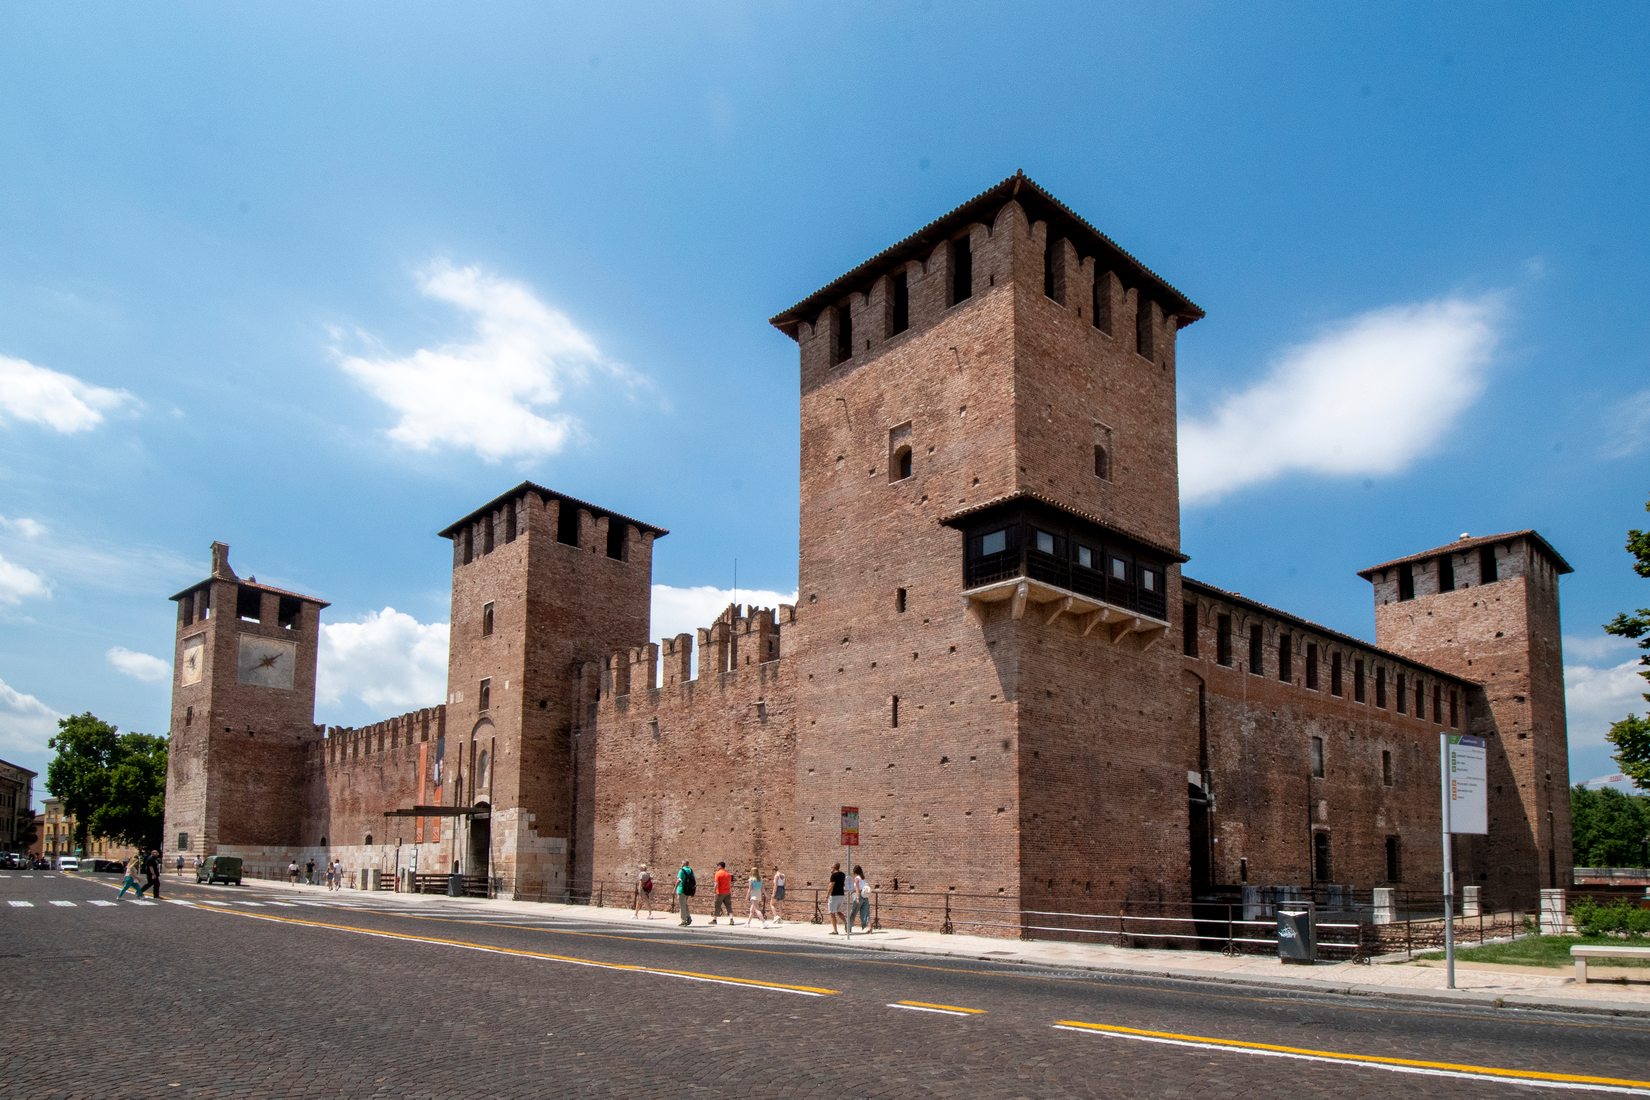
(1553, 951)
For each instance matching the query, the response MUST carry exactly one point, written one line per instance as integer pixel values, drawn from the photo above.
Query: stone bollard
(1386, 905)
(1470, 904)
(1555, 914)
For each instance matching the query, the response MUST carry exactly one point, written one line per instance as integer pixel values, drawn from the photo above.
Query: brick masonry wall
(702, 770)
(1506, 635)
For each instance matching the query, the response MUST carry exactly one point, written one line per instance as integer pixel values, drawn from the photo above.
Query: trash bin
(1298, 933)
(455, 886)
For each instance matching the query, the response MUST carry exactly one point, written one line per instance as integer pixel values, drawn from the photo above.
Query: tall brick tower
(243, 705)
(989, 553)
(1486, 609)
(541, 583)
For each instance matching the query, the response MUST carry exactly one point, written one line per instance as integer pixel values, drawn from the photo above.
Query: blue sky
(316, 280)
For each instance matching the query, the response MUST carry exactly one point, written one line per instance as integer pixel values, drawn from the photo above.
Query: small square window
(993, 542)
(1045, 542)
(1085, 557)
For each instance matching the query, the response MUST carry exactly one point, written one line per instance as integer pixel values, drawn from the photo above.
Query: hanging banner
(1464, 769)
(850, 826)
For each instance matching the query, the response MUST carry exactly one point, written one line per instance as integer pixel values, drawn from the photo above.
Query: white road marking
(936, 1011)
(100, 903)
(21, 904)
(1505, 1077)
(64, 904)
(142, 901)
(254, 904)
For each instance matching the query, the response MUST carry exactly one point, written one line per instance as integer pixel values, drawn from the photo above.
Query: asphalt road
(224, 991)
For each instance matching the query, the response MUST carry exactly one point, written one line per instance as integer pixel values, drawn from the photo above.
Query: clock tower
(243, 706)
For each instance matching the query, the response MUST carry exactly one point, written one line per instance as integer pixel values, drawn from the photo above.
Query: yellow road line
(931, 1007)
(573, 960)
(1527, 1076)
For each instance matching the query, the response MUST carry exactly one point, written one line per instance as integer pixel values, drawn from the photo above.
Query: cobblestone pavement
(281, 992)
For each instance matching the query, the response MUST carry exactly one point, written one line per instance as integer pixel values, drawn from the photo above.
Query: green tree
(113, 783)
(1608, 828)
(1631, 735)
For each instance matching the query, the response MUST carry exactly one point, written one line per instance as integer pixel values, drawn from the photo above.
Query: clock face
(266, 662)
(193, 665)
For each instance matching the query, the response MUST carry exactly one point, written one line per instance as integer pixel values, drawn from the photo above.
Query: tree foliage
(113, 783)
(1608, 828)
(1631, 735)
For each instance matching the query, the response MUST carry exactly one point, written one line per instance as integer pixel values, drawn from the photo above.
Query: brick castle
(994, 656)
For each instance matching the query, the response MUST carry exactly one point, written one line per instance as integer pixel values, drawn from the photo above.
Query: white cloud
(18, 583)
(1367, 396)
(684, 610)
(26, 724)
(1627, 426)
(139, 666)
(24, 526)
(1601, 688)
(32, 394)
(388, 660)
(499, 390)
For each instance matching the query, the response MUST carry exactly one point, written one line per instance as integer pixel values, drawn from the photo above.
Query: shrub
(1619, 918)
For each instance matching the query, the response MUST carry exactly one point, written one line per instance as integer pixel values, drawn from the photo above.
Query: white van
(68, 863)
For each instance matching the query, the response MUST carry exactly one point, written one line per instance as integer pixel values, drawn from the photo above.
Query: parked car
(220, 869)
(8, 862)
(68, 863)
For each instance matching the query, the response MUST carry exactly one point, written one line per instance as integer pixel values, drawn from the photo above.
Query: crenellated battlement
(337, 745)
(738, 638)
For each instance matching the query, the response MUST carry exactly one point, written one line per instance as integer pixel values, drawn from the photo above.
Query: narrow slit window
(893, 711)
(1406, 582)
(899, 305)
(1420, 699)
(486, 619)
(1403, 695)
(1223, 640)
(844, 346)
(484, 695)
(1054, 271)
(1102, 462)
(1317, 758)
(615, 538)
(1286, 658)
(1394, 860)
(899, 600)
(1256, 644)
(962, 270)
(1438, 704)
(1145, 342)
(487, 535)
(1488, 573)
(510, 522)
(1386, 767)
(1312, 665)
(1358, 679)
(1101, 304)
(469, 545)
(1335, 673)
(567, 524)
(1454, 709)
(1446, 573)
(1380, 688)
(900, 469)
(1188, 628)
(1320, 857)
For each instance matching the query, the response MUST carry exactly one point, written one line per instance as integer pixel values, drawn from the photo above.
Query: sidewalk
(1486, 984)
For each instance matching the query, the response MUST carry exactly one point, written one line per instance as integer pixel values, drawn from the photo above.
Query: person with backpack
(686, 886)
(644, 892)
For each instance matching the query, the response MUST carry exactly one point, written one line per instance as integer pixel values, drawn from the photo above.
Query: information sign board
(850, 826)
(1465, 771)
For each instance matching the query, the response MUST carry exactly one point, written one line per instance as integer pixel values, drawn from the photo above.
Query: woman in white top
(859, 900)
(757, 894)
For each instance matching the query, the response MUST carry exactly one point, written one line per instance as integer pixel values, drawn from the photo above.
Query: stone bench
(1582, 953)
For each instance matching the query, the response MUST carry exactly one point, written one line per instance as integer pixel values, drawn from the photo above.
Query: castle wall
(700, 769)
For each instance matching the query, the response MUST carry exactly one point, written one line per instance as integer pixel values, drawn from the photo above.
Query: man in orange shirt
(724, 893)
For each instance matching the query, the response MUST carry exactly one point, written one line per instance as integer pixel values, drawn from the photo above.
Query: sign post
(1461, 766)
(850, 835)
